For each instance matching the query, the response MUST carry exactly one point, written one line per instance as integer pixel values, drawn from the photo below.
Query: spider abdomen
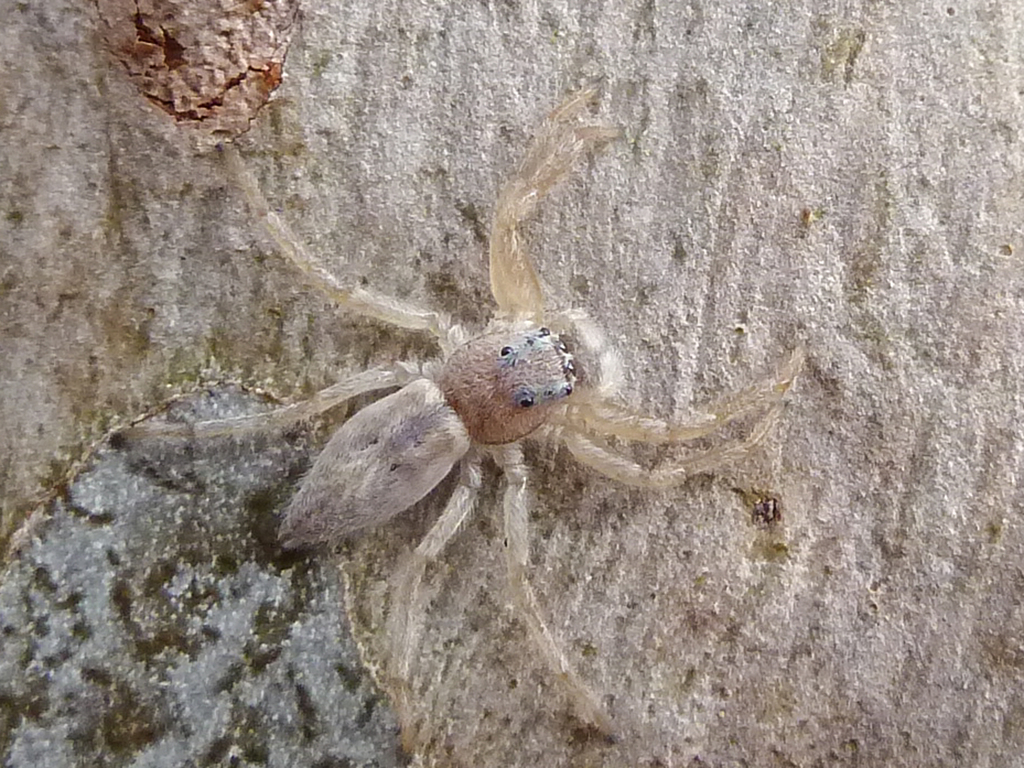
(378, 464)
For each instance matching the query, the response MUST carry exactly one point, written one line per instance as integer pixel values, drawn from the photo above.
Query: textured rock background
(155, 621)
(845, 176)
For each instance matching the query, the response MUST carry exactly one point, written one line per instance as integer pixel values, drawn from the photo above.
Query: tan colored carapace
(514, 379)
(503, 386)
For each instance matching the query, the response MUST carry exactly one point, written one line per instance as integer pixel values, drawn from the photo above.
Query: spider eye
(506, 351)
(544, 332)
(525, 401)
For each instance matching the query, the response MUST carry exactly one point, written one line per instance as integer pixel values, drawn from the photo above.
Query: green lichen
(321, 61)
(770, 551)
(994, 530)
(839, 57)
(271, 626)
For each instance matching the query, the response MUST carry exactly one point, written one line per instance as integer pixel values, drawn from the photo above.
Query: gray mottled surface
(153, 621)
(848, 176)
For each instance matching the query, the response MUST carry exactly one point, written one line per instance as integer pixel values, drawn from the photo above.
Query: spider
(514, 379)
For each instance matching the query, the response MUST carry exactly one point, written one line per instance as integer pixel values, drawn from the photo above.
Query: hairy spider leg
(405, 620)
(552, 153)
(601, 416)
(352, 298)
(591, 452)
(322, 401)
(517, 555)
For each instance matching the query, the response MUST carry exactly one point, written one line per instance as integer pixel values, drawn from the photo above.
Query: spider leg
(559, 143)
(591, 452)
(324, 400)
(406, 617)
(517, 554)
(601, 416)
(354, 299)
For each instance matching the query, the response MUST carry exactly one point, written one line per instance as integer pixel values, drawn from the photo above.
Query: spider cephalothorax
(489, 392)
(503, 385)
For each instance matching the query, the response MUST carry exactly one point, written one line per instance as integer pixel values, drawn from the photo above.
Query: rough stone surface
(846, 176)
(151, 619)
